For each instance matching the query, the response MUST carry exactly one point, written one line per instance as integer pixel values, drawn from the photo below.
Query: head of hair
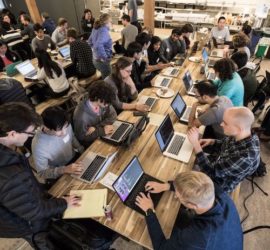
(5, 25)
(45, 15)
(154, 40)
(148, 30)
(45, 61)
(86, 11)
(143, 38)
(242, 117)
(101, 21)
(2, 43)
(102, 91)
(221, 18)
(17, 116)
(55, 118)
(62, 21)
(126, 17)
(187, 28)
(176, 31)
(22, 12)
(133, 48)
(195, 187)
(26, 18)
(71, 32)
(246, 28)
(240, 58)
(37, 27)
(240, 40)
(206, 87)
(225, 67)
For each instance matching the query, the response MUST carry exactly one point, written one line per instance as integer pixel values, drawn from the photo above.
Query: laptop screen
(165, 133)
(178, 105)
(128, 179)
(204, 55)
(65, 51)
(188, 82)
(25, 68)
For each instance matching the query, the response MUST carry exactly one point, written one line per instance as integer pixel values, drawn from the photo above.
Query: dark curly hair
(225, 67)
(100, 90)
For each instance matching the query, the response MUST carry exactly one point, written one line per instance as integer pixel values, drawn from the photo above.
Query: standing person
(29, 216)
(213, 220)
(87, 23)
(6, 56)
(101, 44)
(133, 13)
(28, 29)
(129, 33)
(81, 55)
(220, 33)
(59, 36)
(48, 24)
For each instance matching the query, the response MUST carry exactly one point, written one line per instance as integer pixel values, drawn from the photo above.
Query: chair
(85, 82)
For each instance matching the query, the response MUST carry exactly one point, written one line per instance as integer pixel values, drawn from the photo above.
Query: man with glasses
(206, 93)
(25, 210)
(211, 218)
(55, 147)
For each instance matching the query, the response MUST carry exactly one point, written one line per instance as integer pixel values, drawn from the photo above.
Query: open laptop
(180, 108)
(131, 182)
(27, 69)
(161, 81)
(148, 100)
(208, 74)
(11, 69)
(95, 166)
(173, 144)
(171, 71)
(65, 52)
(189, 84)
(121, 130)
(217, 53)
(205, 57)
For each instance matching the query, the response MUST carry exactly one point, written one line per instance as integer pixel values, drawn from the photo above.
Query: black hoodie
(24, 207)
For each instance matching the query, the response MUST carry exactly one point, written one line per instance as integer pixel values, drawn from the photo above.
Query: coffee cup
(164, 90)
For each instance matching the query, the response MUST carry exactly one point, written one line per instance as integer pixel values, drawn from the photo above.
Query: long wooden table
(128, 222)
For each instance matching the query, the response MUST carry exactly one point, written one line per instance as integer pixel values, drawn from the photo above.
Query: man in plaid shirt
(234, 157)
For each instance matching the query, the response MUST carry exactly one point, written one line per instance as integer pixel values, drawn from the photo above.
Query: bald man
(234, 157)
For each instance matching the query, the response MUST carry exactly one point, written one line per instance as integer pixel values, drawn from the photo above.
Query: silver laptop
(205, 57)
(180, 108)
(27, 69)
(161, 81)
(121, 130)
(94, 166)
(189, 84)
(217, 53)
(171, 71)
(148, 100)
(208, 74)
(65, 52)
(173, 144)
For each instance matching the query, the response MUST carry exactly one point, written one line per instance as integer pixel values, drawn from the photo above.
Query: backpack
(260, 171)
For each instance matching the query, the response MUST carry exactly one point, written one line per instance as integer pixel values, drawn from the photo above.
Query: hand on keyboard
(144, 202)
(142, 107)
(90, 130)
(73, 168)
(108, 129)
(155, 187)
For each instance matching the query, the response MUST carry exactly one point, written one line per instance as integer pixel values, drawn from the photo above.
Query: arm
(193, 121)
(98, 46)
(53, 45)
(123, 38)
(41, 74)
(182, 49)
(34, 45)
(227, 37)
(108, 117)
(162, 52)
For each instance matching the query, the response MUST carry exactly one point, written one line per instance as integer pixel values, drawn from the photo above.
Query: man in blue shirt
(215, 225)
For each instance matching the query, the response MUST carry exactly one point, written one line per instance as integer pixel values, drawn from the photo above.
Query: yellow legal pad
(91, 204)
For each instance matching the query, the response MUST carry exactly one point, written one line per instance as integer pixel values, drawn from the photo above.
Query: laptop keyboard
(93, 168)
(174, 72)
(212, 62)
(186, 114)
(164, 82)
(119, 131)
(150, 101)
(176, 145)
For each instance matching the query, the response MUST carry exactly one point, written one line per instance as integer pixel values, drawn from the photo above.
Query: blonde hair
(240, 40)
(102, 20)
(195, 187)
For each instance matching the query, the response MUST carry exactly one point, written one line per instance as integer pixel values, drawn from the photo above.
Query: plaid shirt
(232, 161)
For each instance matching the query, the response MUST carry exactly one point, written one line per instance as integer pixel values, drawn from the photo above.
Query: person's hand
(129, 81)
(195, 105)
(90, 130)
(206, 142)
(74, 168)
(108, 129)
(193, 136)
(156, 187)
(144, 202)
(142, 107)
(72, 200)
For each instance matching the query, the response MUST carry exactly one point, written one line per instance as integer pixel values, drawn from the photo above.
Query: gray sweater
(52, 153)
(42, 44)
(84, 117)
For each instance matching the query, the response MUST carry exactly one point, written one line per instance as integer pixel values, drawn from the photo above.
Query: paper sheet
(155, 119)
(108, 180)
(91, 204)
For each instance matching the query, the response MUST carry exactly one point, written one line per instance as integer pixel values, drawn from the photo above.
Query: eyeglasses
(33, 133)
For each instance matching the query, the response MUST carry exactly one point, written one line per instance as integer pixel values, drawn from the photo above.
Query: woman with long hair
(101, 44)
(87, 23)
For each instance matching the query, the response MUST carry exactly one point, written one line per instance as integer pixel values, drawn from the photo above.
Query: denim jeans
(103, 67)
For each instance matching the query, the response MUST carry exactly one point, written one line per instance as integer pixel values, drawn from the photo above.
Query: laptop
(171, 71)
(121, 130)
(217, 53)
(27, 69)
(211, 62)
(131, 182)
(11, 69)
(180, 108)
(95, 166)
(65, 52)
(208, 74)
(189, 84)
(161, 81)
(148, 100)
(173, 144)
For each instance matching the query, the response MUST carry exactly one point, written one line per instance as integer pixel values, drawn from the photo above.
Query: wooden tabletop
(128, 222)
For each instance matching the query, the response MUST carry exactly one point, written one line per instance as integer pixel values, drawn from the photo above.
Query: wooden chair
(50, 103)
(235, 194)
(85, 82)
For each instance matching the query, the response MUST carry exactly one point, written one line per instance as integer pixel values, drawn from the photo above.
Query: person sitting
(129, 32)
(172, 46)
(144, 39)
(81, 55)
(94, 117)
(229, 83)
(87, 23)
(48, 24)
(28, 29)
(124, 87)
(54, 146)
(208, 217)
(186, 30)
(59, 36)
(6, 24)
(220, 33)
(234, 157)
(6, 56)
(248, 75)
(240, 43)
(41, 41)
(212, 117)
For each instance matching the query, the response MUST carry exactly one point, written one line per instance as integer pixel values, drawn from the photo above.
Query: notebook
(206, 60)
(148, 100)
(189, 84)
(161, 81)
(171, 71)
(65, 52)
(27, 69)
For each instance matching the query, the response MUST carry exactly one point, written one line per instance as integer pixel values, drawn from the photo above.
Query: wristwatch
(150, 211)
